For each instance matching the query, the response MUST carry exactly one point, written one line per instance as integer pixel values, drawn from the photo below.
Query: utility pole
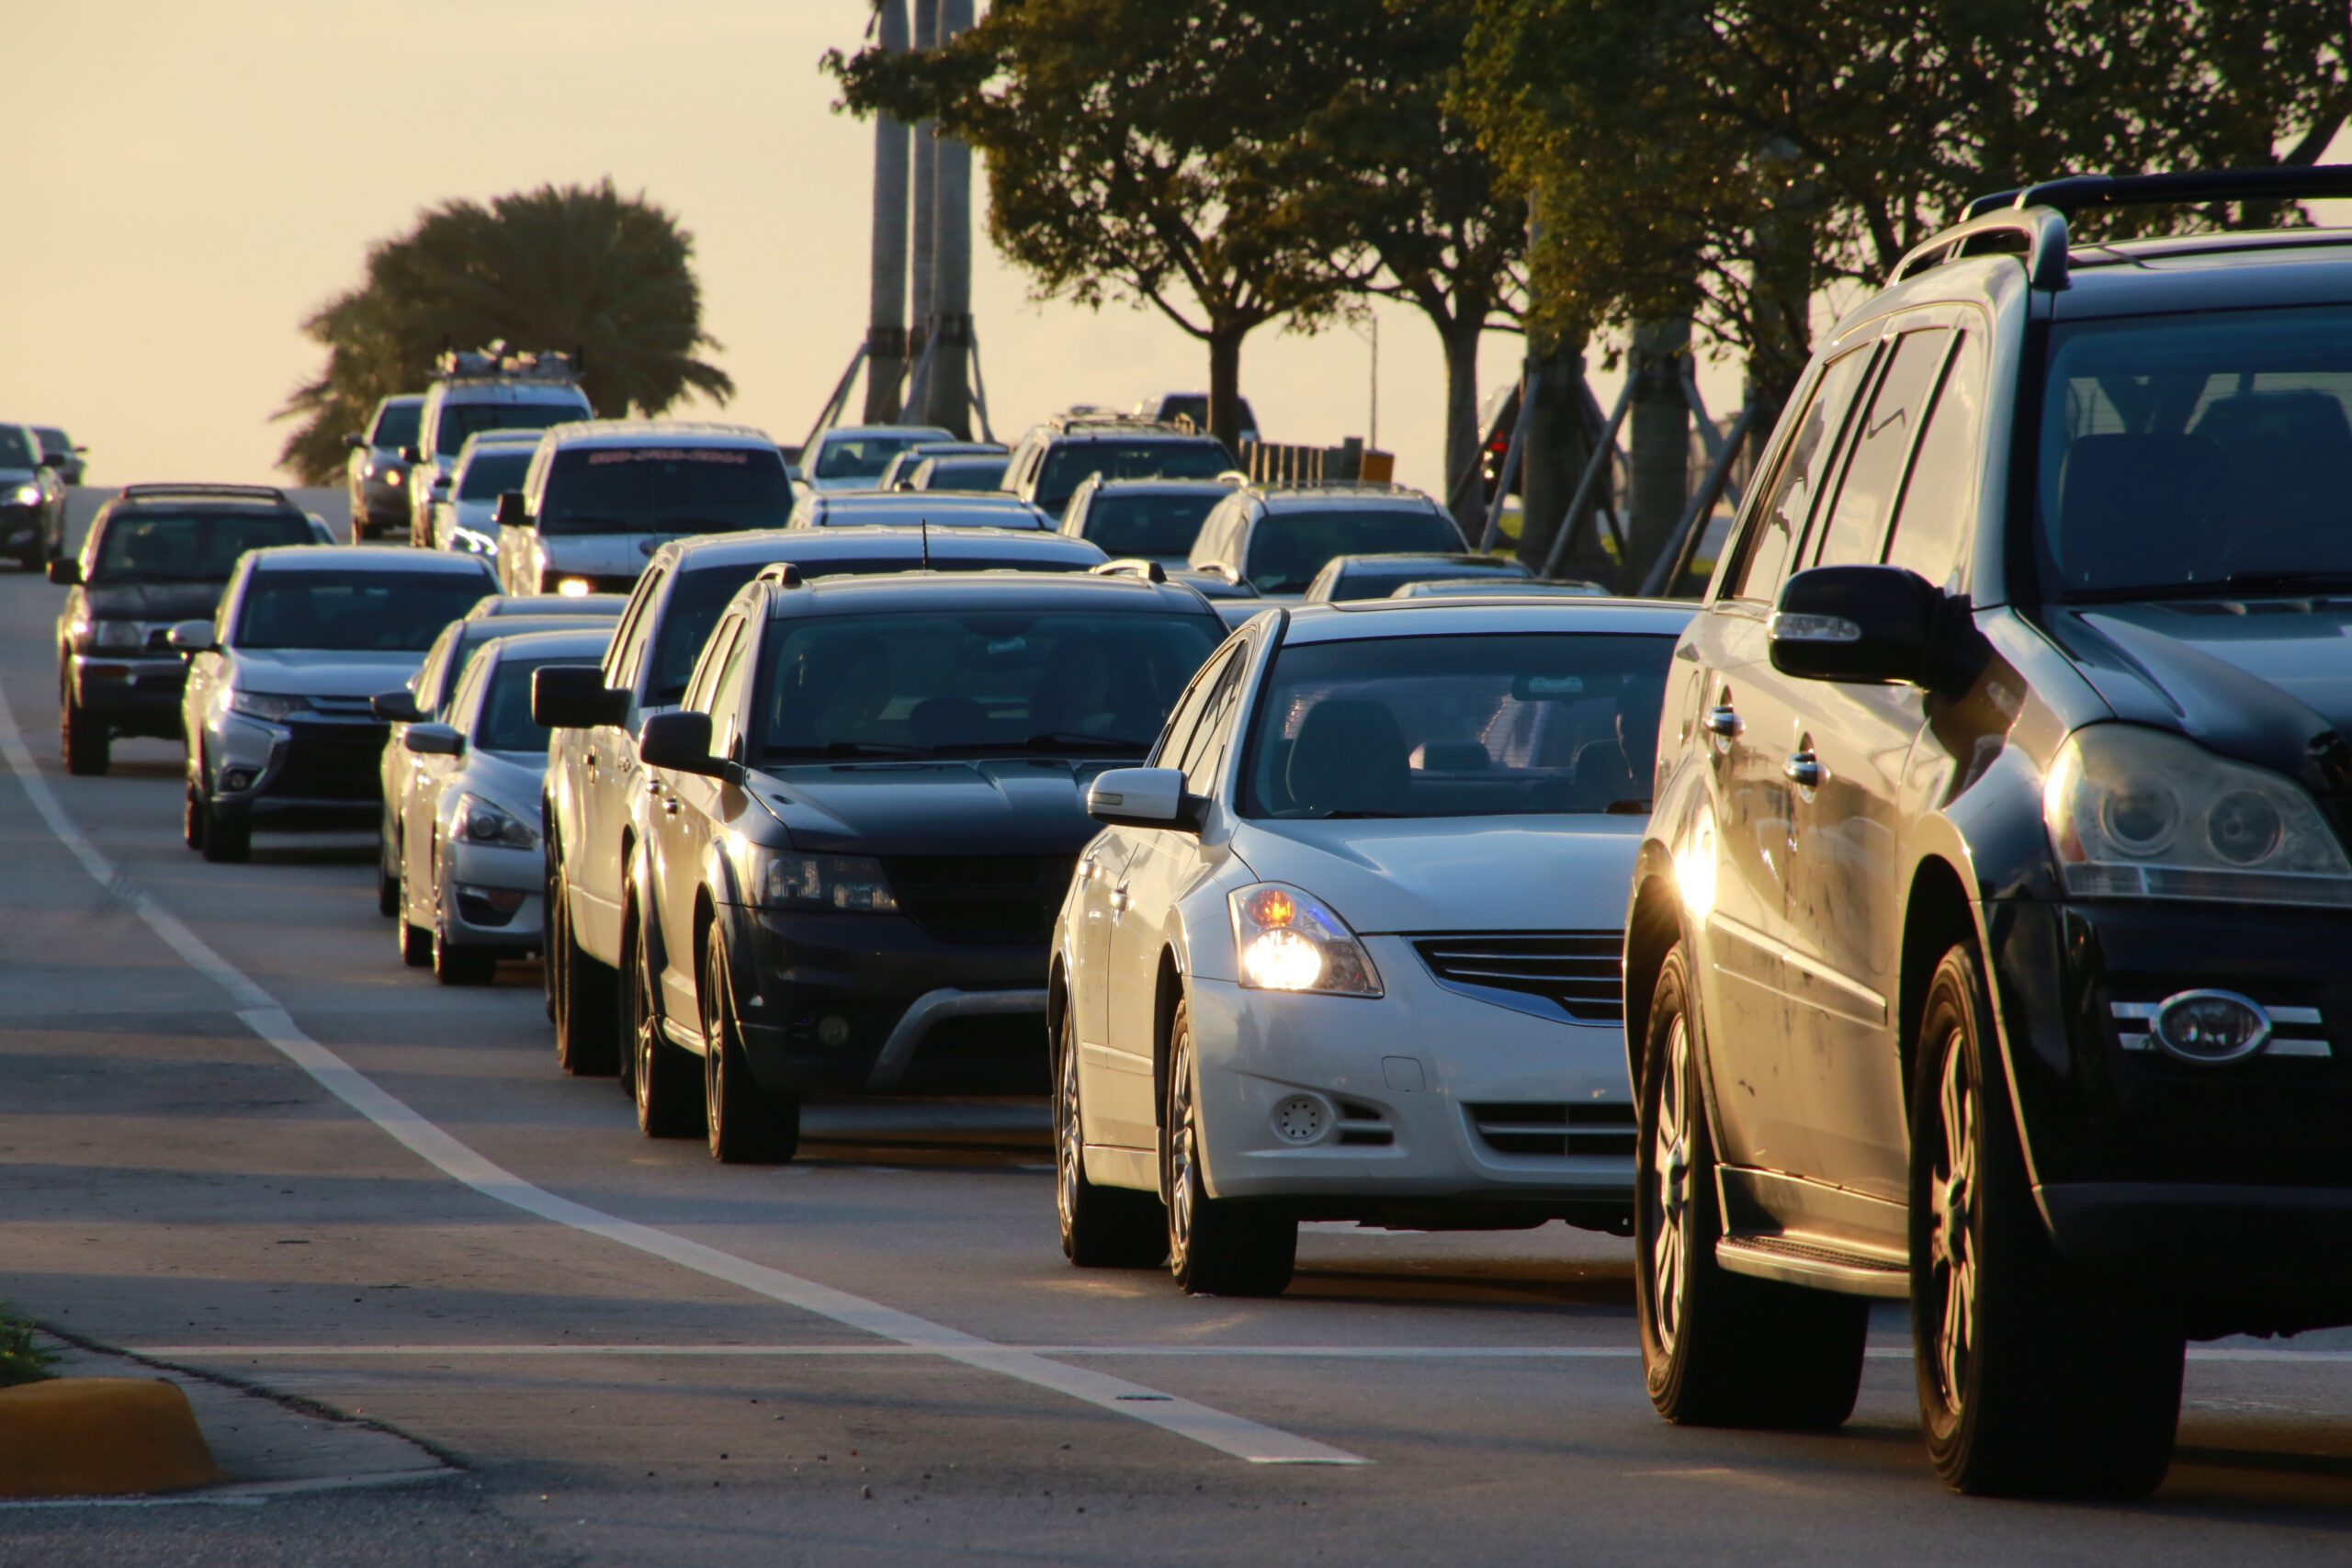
(885, 321)
(947, 391)
(926, 142)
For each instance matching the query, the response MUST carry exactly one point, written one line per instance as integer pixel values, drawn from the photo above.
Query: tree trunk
(1660, 444)
(1465, 495)
(885, 321)
(948, 398)
(922, 204)
(1781, 333)
(1225, 384)
(1558, 447)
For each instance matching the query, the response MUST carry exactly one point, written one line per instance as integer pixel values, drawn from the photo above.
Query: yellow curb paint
(100, 1438)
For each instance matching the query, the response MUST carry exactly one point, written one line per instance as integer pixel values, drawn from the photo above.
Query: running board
(1792, 1261)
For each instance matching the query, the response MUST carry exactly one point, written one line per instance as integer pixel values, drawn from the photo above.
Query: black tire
(83, 741)
(455, 965)
(586, 994)
(2036, 1379)
(228, 835)
(1215, 1247)
(192, 817)
(746, 1124)
(669, 1100)
(1719, 1349)
(388, 882)
(1102, 1227)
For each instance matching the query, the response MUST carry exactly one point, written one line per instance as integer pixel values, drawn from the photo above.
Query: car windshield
(665, 489)
(1486, 726)
(53, 443)
(188, 547)
(380, 612)
(504, 723)
(1148, 524)
(1287, 548)
(489, 474)
(1380, 580)
(15, 448)
(964, 473)
(2192, 455)
(1142, 457)
(861, 457)
(396, 426)
(460, 420)
(975, 682)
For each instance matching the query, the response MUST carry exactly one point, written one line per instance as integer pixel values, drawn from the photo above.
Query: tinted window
(461, 420)
(975, 682)
(1147, 524)
(1780, 522)
(865, 456)
(961, 473)
(15, 447)
(504, 723)
(1940, 498)
(1205, 749)
(1177, 736)
(489, 474)
(622, 657)
(1459, 726)
(54, 442)
(695, 603)
(665, 490)
(396, 426)
(1286, 549)
(1857, 527)
(1145, 457)
(384, 612)
(164, 546)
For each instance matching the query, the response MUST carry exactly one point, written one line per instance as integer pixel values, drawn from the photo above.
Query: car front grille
(977, 898)
(1579, 973)
(1553, 1128)
(332, 762)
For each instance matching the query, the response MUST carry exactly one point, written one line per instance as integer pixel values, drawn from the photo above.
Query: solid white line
(262, 1014)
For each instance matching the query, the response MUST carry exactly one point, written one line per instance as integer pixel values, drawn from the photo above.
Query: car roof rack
(1131, 566)
(2032, 220)
(208, 490)
(783, 573)
(495, 362)
(1066, 423)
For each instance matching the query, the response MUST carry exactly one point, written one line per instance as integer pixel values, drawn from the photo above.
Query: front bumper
(23, 529)
(133, 695)
(1424, 1096)
(476, 881)
(387, 506)
(321, 771)
(873, 1002)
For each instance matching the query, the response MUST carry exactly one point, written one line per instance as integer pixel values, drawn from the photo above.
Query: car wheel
(1719, 1349)
(83, 741)
(1215, 1247)
(2035, 1379)
(667, 1103)
(585, 993)
(747, 1125)
(388, 882)
(228, 835)
(192, 820)
(1102, 1227)
(456, 965)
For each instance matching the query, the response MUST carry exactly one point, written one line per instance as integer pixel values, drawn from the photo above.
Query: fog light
(237, 778)
(1301, 1119)
(2211, 1026)
(833, 1032)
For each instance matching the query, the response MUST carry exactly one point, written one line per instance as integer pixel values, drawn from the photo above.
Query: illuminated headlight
(2137, 813)
(574, 586)
(266, 704)
(392, 478)
(26, 495)
(851, 884)
(1288, 941)
(117, 637)
(485, 822)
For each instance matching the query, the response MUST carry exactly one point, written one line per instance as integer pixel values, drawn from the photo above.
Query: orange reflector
(1272, 906)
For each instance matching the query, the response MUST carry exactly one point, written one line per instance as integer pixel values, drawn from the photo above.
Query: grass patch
(21, 1360)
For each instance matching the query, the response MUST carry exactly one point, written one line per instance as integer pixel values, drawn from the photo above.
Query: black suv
(860, 824)
(1986, 943)
(156, 555)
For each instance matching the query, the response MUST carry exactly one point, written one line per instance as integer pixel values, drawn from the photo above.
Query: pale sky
(194, 176)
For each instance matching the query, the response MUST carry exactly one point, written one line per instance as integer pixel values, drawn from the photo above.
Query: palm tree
(573, 267)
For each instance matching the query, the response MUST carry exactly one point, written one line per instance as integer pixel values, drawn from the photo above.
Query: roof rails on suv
(210, 491)
(2031, 220)
(495, 362)
(1091, 419)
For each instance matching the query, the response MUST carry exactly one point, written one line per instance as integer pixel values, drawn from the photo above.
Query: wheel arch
(1936, 913)
(1167, 990)
(1653, 926)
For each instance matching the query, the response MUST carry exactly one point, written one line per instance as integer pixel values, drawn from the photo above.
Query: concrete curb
(100, 1437)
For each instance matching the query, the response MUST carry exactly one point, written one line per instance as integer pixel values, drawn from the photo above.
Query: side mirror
(680, 741)
(574, 696)
(432, 741)
(1869, 624)
(396, 706)
(440, 486)
(51, 460)
(1144, 797)
(510, 511)
(412, 455)
(191, 637)
(65, 572)
(356, 443)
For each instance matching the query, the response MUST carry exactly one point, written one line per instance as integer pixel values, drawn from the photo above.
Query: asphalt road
(237, 1136)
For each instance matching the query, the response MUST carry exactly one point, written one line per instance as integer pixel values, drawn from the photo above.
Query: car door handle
(670, 807)
(1802, 769)
(1119, 897)
(1721, 722)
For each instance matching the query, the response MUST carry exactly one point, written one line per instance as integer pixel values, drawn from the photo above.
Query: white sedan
(1349, 948)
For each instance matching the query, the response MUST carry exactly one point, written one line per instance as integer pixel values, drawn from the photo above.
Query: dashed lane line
(262, 1013)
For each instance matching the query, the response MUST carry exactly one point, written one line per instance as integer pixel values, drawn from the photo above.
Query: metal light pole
(947, 395)
(885, 321)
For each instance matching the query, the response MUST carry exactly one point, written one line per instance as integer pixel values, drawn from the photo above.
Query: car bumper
(1422, 1095)
(22, 528)
(323, 771)
(387, 506)
(872, 1002)
(495, 897)
(139, 696)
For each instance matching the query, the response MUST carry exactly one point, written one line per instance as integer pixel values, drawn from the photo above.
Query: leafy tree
(571, 267)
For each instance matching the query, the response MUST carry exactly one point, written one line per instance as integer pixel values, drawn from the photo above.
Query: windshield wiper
(2289, 584)
(1358, 816)
(1081, 740)
(848, 749)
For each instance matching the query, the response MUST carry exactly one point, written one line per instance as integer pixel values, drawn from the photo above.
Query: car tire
(454, 964)
(1719, 1349)
(2035, 1379)
(584, 993)
(1215, 1247)
(82, 742)
(1102, 1227)
(192, 821)
(669, 1100)
(746, 1124)
(228, 835)
(388, 885)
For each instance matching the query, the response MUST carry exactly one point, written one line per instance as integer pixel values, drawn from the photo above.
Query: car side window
(468, 696)
(726, 707)
(1206, 749)
(1940, 498)
(627, 652)
(426, 685)
(1856, 531)
(706, 668)
(1178, 735)
(1780, 518)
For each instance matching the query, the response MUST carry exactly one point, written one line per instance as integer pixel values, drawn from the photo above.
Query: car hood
(1015, 806)
(322, 673)
(152, 601)
(2258, 681)
(600, 554)
(509, 780)
(1481, 873)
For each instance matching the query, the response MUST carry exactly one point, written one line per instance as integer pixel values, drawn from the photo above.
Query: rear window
(1145, 457)
(665, 489)
(490, 474)
(397, 425)
(863, 456)
(182, 547)
(460, 420)
(1148, 524)
(379, 612)
(1286, 549)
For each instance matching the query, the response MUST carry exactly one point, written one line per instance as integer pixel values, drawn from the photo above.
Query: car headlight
(1289, 941)
(392, 477)
(2137, 813)
(27, 495)
(851, 884)
(117, 636)
(266, 704)
(486, 822)
(574, 586)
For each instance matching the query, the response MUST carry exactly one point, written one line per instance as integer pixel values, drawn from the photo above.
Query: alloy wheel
(1670, 1165)
(1183, 1172)
(1068, 1153)
(1951, 1199)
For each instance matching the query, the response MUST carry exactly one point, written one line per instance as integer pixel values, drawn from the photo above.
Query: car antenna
(924, 523)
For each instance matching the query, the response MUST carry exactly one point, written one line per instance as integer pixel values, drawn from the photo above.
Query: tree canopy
(573, 268)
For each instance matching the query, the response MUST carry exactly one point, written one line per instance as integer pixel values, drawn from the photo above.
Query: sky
(194, 178)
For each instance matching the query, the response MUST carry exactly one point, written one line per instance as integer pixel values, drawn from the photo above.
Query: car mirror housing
(1144, 797)
(432, 741)
(510, 510)
(1869, 624)
(574, 696)
(65, 572)
(411, 454)
(680, 740)
(395, 706)
(191, 637)
(356, 443)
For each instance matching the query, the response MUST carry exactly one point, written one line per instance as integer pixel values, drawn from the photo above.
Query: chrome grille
(1555, 1128)
(1581, 973)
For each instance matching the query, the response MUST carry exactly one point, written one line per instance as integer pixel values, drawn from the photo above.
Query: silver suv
(1275, 538)
(377, 472)
(491, 390)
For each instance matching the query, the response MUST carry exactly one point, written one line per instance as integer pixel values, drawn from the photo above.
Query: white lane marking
(262, 1014)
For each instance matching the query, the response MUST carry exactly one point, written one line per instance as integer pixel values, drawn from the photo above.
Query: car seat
(1350, 757)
